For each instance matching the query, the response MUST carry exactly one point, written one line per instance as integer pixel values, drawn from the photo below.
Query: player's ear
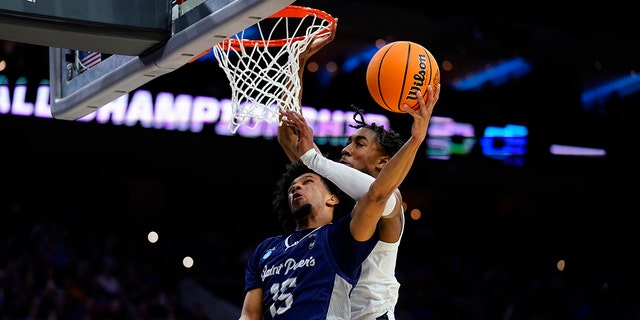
(333, 200)
(382, 161)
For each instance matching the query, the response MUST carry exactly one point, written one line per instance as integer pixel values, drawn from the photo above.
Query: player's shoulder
(270, 241)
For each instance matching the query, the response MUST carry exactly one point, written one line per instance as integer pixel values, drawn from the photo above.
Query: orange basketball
(397, 71)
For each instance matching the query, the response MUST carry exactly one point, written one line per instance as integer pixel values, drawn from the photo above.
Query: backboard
(114, 26)
(195, 26)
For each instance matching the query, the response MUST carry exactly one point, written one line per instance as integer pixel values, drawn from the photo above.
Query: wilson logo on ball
(418, 78)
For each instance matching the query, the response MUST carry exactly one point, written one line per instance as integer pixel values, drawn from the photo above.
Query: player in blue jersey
(309, 273)
(366, 153)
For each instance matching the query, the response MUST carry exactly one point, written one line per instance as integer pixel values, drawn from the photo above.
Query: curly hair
(389, 140)
(281, 196)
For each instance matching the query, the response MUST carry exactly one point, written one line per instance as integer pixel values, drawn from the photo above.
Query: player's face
(362, 152)
(307, 189)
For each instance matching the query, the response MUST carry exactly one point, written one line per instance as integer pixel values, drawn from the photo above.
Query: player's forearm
(287, 140)
(395, 171)
(353, 182)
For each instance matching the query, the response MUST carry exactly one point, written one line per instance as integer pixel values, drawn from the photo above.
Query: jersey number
(282, 298)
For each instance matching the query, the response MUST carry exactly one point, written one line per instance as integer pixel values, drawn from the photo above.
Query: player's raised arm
(286, 135)
(369, 208)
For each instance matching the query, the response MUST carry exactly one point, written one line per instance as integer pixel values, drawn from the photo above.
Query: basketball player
(368, 150)
(308, 273)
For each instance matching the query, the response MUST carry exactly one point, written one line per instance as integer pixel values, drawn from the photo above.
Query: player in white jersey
(309, 273)
(368, 150)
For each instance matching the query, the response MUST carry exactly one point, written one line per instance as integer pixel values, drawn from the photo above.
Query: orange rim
(290, 11)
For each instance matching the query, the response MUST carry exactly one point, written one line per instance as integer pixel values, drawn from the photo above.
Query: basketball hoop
(262, 67)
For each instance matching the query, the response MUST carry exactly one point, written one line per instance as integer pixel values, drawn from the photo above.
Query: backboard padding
(114, 27)
(193, 32)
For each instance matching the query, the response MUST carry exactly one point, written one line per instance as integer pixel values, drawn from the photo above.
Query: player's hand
(299, 125)
(318, 43)
(422, 116)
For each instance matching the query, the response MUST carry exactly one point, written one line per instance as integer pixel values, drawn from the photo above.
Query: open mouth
(345, 162)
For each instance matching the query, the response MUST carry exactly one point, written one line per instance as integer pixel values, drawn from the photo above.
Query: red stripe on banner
(91, 60)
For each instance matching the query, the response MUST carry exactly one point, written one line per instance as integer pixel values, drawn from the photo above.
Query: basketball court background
(490, 234)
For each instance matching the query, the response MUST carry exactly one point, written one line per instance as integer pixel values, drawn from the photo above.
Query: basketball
(397, 71)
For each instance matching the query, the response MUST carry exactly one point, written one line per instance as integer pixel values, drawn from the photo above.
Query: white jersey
(376, 293)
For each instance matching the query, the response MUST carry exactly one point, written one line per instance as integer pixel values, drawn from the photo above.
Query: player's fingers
(424, 106)
(436, 93)
(421, 98)
(413, 112)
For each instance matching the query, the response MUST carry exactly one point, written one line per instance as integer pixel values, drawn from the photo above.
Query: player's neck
(313, 220)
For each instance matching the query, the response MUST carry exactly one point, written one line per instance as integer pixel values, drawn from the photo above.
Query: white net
(263, 72)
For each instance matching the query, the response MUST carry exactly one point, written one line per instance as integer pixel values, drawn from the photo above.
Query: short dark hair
(281, 195)
(388, 139)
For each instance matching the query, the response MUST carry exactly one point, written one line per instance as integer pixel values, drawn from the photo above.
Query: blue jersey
(308, 274)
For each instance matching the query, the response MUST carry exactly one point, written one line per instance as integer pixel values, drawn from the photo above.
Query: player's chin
(302, 211)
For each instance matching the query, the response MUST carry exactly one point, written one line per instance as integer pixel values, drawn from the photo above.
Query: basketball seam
(386, 105)
(406, 69)
(431, 61)
(430, 68)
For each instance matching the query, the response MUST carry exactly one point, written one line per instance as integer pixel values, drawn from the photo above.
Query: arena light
(564, 150)
(495, 75)
(622, 87)
(361, 58)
